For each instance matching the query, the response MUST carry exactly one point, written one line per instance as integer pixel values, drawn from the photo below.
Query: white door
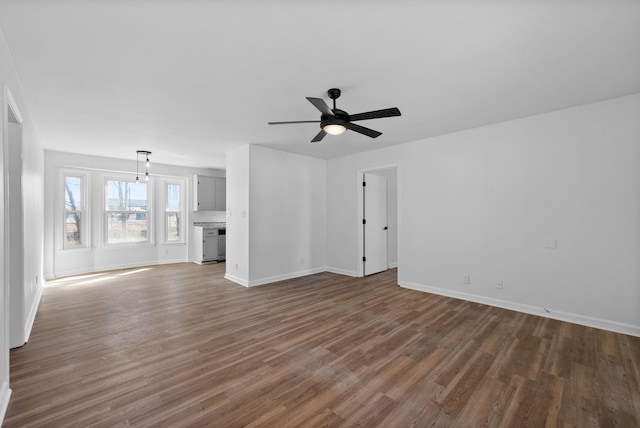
(375, 226)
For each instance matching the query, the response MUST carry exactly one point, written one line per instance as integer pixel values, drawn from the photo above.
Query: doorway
(13, 221)
(377, 220)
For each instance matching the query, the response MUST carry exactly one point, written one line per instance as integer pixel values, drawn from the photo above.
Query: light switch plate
(551, 244)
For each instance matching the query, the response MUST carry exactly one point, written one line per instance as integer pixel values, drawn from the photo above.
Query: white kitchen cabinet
(210, 193)
(205, 245)
(221, 195)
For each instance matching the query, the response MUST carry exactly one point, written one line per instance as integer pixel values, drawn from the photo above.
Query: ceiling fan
(335, 121)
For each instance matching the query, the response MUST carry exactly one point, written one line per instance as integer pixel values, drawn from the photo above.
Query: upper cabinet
(221, 194)
(210, 193)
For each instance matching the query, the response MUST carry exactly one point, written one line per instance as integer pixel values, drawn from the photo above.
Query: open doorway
(377, 219)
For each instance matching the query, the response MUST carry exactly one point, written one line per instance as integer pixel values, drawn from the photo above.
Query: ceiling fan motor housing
(327, 119)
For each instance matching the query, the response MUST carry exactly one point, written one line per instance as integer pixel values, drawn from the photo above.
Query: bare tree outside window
(73, 212)
(127, 213)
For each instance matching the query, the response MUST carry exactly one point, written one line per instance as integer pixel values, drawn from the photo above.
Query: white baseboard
(237, 280)
(5, 395)
(171, 261)
(272, 279)
(614, 326)
(341, 271)
(31, 317)
(393, 265)
(276, 278)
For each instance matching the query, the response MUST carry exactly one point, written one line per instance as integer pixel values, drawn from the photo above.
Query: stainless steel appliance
(222, 244)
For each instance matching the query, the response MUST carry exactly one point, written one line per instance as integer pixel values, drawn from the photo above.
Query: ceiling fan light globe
(334, 129)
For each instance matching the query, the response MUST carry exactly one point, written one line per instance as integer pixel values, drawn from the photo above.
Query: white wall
(484, 202)
(287, 201)
(282, 233)
(32, 183)
(237, 258)
(97, 256)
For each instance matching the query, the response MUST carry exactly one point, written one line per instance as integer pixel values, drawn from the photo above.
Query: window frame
(166, 212)
(85, 229)
(105, 212)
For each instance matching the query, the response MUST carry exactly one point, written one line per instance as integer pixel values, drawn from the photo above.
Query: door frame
(360, 209)
(14, 260)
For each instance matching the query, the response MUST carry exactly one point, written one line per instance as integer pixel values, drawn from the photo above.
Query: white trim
(11, 102)
(236, 279)
(342, 271)
(291, 275)
(393, 265)
(31, 318)
(5, 395)
(614, 326)
(272, 279)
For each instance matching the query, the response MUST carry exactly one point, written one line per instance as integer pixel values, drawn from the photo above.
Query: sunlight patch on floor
(91, 279)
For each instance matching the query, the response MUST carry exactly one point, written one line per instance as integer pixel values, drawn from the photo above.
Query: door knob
(385, 228)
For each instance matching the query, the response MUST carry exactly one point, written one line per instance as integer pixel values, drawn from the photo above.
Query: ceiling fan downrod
(334, 94)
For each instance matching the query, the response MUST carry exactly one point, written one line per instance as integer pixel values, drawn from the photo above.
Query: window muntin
(127, 212)
(74, 216)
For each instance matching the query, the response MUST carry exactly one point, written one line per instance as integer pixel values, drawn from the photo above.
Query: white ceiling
(191, 79)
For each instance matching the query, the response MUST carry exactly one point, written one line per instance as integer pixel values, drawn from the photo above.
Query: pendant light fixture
(146, 153)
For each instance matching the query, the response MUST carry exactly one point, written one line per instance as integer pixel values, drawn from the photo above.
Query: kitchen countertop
(210, 224)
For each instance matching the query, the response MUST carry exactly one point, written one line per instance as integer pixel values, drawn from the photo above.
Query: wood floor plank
(179, 346)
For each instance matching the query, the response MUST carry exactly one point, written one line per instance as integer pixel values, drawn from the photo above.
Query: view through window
(172, 219)
(127, 212)
(74, 212)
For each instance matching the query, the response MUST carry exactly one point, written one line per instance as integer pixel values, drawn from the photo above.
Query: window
(74, 235)
(127, 212)
(173, 212)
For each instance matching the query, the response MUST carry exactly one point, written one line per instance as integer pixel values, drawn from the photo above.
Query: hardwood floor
(178, 346)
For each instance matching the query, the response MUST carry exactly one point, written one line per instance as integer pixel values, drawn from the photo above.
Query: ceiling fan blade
(319, 137)
(295, 121)
(365, 131)
(320, 105)
(387, 112)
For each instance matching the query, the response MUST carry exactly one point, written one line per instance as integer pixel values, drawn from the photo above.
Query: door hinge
(364, 184)
(364, 259)
(364, 221)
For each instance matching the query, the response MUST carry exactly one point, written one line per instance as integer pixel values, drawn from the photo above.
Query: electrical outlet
(499, 284)
(236, 266)
(466, 279)
(301, 261)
